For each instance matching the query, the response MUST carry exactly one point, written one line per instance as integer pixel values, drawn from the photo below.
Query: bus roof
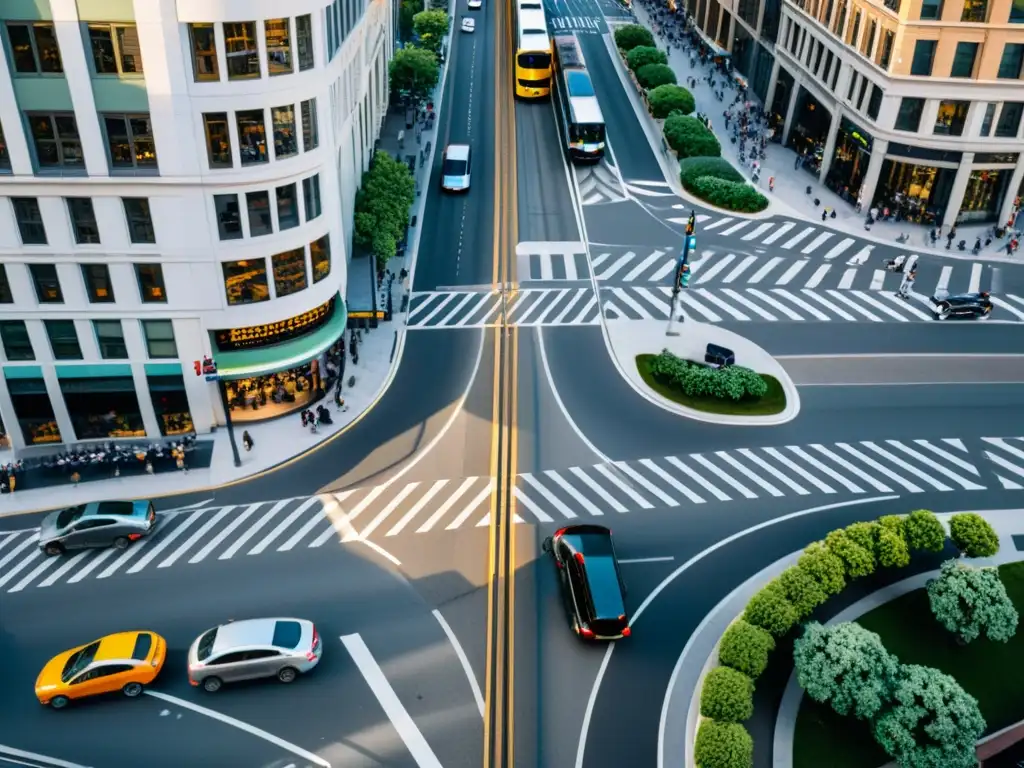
(530, 5)
(569, 52)
(585, 110)
(533, 22)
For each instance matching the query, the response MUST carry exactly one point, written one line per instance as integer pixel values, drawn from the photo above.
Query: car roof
(116, 508)
(117, 646)
(239, 634)
(457, 152)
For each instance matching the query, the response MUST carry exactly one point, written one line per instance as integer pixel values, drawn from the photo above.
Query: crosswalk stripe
(838, 248)
(1007, 306)
(719, 265)
(867, 299)
(448, 504)
(636, 477)
(692, 303)
(789, 274)
(611, 478)
(25, 544)
(792, 484)
(422, 302)
(553, 500)
(796, 469)
(818, 276)
(124, 557)
(847, 281)
(906, 306)
(455, 310)
(580, 318)
(17, 568)
(572, 303)
(743, 301)
(798, 238)
(469, 508)
(69, 565)
(638, 270)
(665, 270)
(734, 228)
(89, 567)
(723, 476)
(481, 303)
(690, 473)
(965, 465)
(854, 306)
(551, 306)
(776, 304)
(617, 265)
(849, 485)
(626, 299)
(153, 552)
(255, 528)
(655, 469)
(893, 459)
(203, 553)
(845, 464)
(598, 260)
(742, 267)
(339, 523)
(815, 243)
(864, 459)
(757, 232)
(361, 507)
(1000, 442)
(596, 487)
(40, 569)
(975, 283)
(827, 304)
(195, 537)
(1000, 461)
(573, 492)
(715, 224)
(752, 476)
(523, 499)
(966, 484)
(330, 503)
(877, 280)
(390, 507)
(719, 304)
(758, 276)
(778, 233)
(284, 525)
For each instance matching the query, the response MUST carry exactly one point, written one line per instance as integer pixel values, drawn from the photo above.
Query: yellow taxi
(125, 661)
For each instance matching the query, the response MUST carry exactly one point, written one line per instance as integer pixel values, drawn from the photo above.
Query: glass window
(1008, 124)
(1016, 13)
(258, 206)
(304, 41)
(885, 57)
(278, 40)
(33, 408)
(110, 339)
(140, 221)
(34, 48)
(320, 257)
(17, 344)
(289, 271)
(229, 221)
(986, 123)
(909, 116)
(286, 143)
(311, 196)
(252, 136)
(56, 141)
(5, 158)
(854, 29)
(950, 119)
(97, 283)
(1012, 62)
(869, 39)
(159, 335)
(241, 50)
(130, 141)
(6, 295)
(170, 402)
(287, 207)
(963, 60)
(103, 407)
(875, 102)
(204, 53)
(46, 282)
(310, 134)
(115, 49)
(245, 282)
(924, 55)
(150, 278)
(63, 339)
(218, 139)
(931, 10)
(83, 220)
(30, 220)
(975, 11)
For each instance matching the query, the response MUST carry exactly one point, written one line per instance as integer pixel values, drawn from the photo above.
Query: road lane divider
(19, 756)
(460, 653)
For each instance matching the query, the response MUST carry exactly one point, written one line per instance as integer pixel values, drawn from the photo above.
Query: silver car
(455, 167)
(97, 524)
(253, 648)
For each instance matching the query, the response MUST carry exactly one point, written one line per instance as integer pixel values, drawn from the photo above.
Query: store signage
(207, 367)
(367, 314)
(274, 333)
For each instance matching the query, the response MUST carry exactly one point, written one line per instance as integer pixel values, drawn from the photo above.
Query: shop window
(311, 196)
(951, 117)
(34, 48)
(986, 123)
(924, 56)
(320, 256)
(5, 157)
(1008, 124)
(33, 410)
(30, 220)
(218, 139)
(17, 344)
(1012, 62)
(205, 68)
(241, 50)
(150, 278)
(159, 336)
(63, 339)
(304, 41)
(97, 283)
(110, 339)
(170, 402)
(245, 282)
(278, 40)
(931, 10)
(286, 144)
(101, 408)
(46, 283)
(310, 133)
(252, 136)
(963, 60)
(130, 141)
(289, 271)
(888, 39)
(83, 220)
(975, 11)
(140, 220)
(996, 158)
(55, 140)
(115, 49)
(1016, 13)
(229, 220)
(287, 207)
(258, 206)
(6, 294)
(875, 102)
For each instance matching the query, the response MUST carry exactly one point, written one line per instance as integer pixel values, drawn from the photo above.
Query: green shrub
(728, 194)
(631, 36)
(694, 168)
(727, 696)
(966, 600)
(924, 532)
(972, 535)
(770, 610)
(824, 567)
(857, 561)
(891, 547)
(643, 55)
(723, 745)
(746, 648)
(803, 592)
(690, 138)
(652, 75)
(668, 99)
(734, 382)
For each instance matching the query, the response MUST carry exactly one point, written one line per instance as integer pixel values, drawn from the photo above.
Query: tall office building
(177, 180)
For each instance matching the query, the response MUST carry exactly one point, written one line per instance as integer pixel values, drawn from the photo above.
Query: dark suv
(592, 587)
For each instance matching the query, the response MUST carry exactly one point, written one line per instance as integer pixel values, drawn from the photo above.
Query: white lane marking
(573, 492)
(796, 469)
(798, 238)
(580, 292)
(44, 566)
(553, 500)
(91, 565)
(259, 733)
(851, 486)
(652, 467)
(330, 503)
(975, 284)
(827, 304)
(255, 528)
(359, 508)
(790, 273)
(756, 232)
(758, 276)
(742, 267)
(154, 552)
(701, 481)
(643, 482)
(944, 276)
(281, 527)
(813, 245)
(1007, 306)
(648, 560)
(215, 542)
(474, 685)
(861, 256)
(196, 537)
(390, 703)
(719, 223)
(381, 551)
(849, 276)
(723, 456)
(468, 509)
(531, 505)
(611, 478)
(27, 542)
(838, 248)
(775, 304)
(734, 228)
(723, 476)
(747, 303)
(415, 508)
(448, 504)
(819, 274)
(805, 306)
(643, 266)
(969, 485)
(777, 233)
(878, 280)
(912, 487)
(720, 264)
(893, 459)
(596, 488)
(390, 507)
(780, 476)
(965, 465)
(53, 762)
(71, 563)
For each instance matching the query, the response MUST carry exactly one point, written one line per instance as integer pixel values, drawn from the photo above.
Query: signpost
(682, 274)
(208, 369)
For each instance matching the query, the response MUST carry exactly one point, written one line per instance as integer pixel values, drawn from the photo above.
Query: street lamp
(682, 275)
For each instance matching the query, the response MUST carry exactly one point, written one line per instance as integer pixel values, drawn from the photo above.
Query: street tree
(406, 11)
(973, 535)
(824, 567)
(412, 74)
(668, 99)
(629, 36)
(643, 55)
(857, 561)
(430, 28)
(382, 206)
(924, 531)
(967, 600)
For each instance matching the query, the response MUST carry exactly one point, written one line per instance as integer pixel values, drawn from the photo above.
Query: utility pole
(682, 275)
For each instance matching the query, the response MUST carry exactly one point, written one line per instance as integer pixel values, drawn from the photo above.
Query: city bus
(583, 132)
(533, 51)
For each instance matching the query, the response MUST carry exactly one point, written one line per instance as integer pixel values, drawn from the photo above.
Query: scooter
(901, 264)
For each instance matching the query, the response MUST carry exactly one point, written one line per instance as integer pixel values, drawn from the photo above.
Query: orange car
(125, 661)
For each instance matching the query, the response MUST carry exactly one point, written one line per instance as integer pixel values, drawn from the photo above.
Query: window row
(252, 134)
(57, 143)
(242, 49)
(98, 286)
(245, 282)
(259, 215)
(114, 48)
(66, 345)
(951, 117)
(341, 16)
(972, 12)
(966, 59)
(82, 215)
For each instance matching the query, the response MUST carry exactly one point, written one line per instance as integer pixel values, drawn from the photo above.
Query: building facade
(177, 181)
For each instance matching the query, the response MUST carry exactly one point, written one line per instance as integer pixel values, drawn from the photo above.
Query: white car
(468, 25)
(475, 5)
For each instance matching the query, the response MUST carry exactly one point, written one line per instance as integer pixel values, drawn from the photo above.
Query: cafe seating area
(266, 397)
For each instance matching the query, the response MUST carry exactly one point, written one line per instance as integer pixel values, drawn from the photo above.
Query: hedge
(733, 382)
(728, 194)
(770, 610)
(694, 168)
(652, 75)
(689, 137)
(643, 55)
(723, 745)
(668, 99)
(972, 535)
(727, 696)
(745, 648)
(924, 532)
(632, 36)
(802, 590)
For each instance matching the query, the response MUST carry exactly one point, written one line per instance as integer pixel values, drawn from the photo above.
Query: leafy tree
(723, 745)
(668, 99)
(891, 547)
(746, 648)
(865, 535)
(770, 610)
(824, 567)
(413, 73)
(924, 531)
(803, 592)
(630, 36)
(966, 600)
(382, 206)
(652, 75)
(690, 138)
(973, 535)
(406, 11)
(933, 723)
(643, 55)
(857, 561)
(430, 27)
(846, 666)
(727, 696)
(693, 168)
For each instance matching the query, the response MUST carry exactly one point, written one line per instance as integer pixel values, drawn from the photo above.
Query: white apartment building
(177, 180)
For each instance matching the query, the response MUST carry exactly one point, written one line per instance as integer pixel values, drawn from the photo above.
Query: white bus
(583, 130)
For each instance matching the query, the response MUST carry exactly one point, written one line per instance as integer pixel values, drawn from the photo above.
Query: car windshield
(287, 634)
(79, 661)
(70, 515)
(592, 133)
(534, 60)
(205, 647)
(455, 167)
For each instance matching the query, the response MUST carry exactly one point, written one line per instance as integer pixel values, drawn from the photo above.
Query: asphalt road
(883, 370)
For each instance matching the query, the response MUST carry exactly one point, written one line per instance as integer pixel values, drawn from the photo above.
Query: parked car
(475, 5)
(97, 524)
(961, 305)
(455, 168)
(468, 24)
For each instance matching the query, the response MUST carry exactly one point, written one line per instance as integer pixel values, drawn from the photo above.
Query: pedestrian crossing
(523, 307)
(592, 25)
(599, 183)
(379, 513)
(552, 261)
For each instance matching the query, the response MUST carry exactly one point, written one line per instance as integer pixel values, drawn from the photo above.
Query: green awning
(163, 369)
(23, 371)
(94, 371)
(243, 363)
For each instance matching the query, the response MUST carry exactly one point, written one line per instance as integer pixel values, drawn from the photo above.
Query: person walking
(247, 441)
(907, 283)
(771, 183)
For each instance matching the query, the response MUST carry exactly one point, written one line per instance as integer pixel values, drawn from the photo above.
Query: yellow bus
(533, 51)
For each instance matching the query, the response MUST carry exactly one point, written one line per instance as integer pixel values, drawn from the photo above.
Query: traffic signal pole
(682, 274)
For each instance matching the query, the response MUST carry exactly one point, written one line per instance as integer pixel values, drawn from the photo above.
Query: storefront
(986, 190)
(809, 130)
(101, 401)
(915, 183)
(32, 409)
(849, 160)
(166, 386)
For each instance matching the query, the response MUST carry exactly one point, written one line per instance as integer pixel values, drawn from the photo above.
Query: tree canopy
(382, 206)
(430, 28)
(413, 72)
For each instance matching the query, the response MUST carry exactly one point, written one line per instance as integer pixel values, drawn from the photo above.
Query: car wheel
(287, 674)
(54, 549)
(546, 545)
(59, 702)
(121, 542)
(212, 684)
(131, 690)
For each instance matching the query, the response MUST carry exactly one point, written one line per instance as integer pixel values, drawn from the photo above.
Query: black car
(592, 587)
(961, 305)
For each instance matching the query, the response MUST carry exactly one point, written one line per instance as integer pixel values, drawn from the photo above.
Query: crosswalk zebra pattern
(592, 25)
(599, 183)
(379, 513)
(552, 262)
(523, 307)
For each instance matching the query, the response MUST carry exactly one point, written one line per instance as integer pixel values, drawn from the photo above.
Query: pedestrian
(771, 183)
(796, 163)
(907, 283)
(824, 214)
(247, 441)
(75, 478)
